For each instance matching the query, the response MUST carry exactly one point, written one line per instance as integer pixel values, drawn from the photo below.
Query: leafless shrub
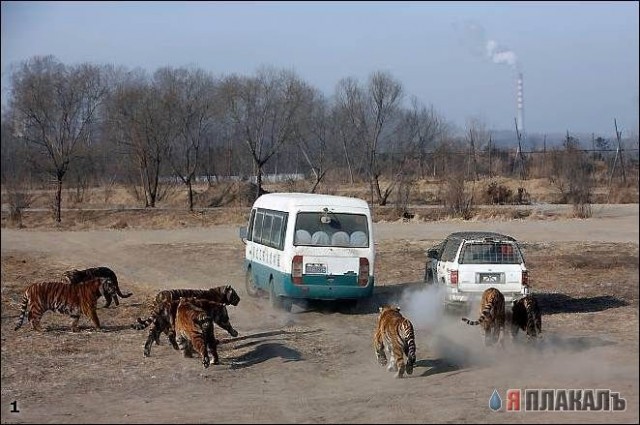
(498, 194)
(107, 190)
(623, 194)
(403, 195)
(572, 173)
(291, 184)
(456, 199)
(523, 196)
(17, 200)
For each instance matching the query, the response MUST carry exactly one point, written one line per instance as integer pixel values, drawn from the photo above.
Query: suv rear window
(490, 253)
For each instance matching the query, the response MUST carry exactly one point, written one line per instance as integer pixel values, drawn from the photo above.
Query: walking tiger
(394, 338)
(492, 316)
(194, 328)
(525, 315)
(78, 276)
(64, 298)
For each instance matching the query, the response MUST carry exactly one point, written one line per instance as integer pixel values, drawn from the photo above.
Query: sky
(579, 60)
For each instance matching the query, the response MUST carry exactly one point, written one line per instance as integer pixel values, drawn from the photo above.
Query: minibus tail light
(363, 275)
(296, 270)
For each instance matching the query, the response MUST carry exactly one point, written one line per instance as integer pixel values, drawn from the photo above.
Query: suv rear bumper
(459, 297)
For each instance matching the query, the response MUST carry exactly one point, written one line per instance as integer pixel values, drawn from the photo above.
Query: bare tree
(264, 112)
(141, 122)
(477, 137)
(55, 106)
(317, 133)
(404, 151)
(431, 127)
(16, 174)
(192, 112)
(370, 111)
(572, 173)
(350, 106)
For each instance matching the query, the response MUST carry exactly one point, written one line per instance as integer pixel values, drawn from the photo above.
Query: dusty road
(316, 364)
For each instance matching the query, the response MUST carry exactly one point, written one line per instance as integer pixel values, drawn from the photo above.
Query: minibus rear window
(331, 229)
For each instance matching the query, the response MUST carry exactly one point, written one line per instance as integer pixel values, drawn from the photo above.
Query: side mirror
(242, 231)
(432, 253)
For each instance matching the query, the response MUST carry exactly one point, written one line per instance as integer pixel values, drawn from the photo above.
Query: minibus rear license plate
(315, 268)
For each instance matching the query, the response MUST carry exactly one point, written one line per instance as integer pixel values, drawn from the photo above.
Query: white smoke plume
(474, 37)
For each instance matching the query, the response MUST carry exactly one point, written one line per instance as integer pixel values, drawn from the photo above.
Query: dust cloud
(441, 335)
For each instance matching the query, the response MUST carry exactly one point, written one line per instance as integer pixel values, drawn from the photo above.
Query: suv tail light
(296, 270)
(525, 278)
(363, 274)
(453, 277)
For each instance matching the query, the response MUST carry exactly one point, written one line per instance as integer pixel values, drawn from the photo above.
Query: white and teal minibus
(308, 246)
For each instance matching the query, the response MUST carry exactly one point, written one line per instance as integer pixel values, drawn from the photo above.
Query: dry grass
(586, 289)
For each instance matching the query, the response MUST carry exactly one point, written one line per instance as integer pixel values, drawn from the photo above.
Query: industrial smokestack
(520, 104)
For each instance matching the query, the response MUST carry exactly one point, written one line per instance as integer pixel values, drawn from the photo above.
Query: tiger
(525, 315)
(163, 321)
(492, 316)
(77, 276)
(394, 336)
(63, 298)
(224, 294)
(193, 330)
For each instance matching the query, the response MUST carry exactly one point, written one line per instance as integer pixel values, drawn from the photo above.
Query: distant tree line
(82, 125)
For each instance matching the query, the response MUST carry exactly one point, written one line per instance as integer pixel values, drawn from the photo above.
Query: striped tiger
(394, 337)
(193, 330)
(77, 276)
(525, 315)
(224, 294)
(63, 298)
(164, 316)
(492, 316)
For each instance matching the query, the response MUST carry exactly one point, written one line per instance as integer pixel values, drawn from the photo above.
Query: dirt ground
(316, 364)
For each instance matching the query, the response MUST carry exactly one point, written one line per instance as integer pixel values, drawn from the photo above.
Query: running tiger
(64, 298)
(492, 316)
(163, 318)
(78, 276)
(394, 337)
(525, 315)
(193, 330)
(224, 294)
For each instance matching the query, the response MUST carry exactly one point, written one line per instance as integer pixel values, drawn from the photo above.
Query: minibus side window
(257, 227)
(276, 232)
(250, 229)
(266, 229)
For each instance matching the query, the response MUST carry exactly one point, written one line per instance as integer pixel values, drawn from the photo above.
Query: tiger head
(231, 296)
(387, 307)
(108, 288)
(201, 319)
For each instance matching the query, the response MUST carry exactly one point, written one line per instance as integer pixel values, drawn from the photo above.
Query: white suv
(465, 264)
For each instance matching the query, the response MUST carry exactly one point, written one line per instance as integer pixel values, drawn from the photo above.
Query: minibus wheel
(279, 303)
(250, 284)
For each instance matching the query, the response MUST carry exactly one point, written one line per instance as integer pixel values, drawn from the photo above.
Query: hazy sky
(579, 59)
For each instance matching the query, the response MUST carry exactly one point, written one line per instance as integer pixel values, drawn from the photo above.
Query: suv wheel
(428, 276)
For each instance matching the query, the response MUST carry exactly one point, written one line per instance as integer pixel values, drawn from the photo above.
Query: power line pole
(519, 161)
(618, 155)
